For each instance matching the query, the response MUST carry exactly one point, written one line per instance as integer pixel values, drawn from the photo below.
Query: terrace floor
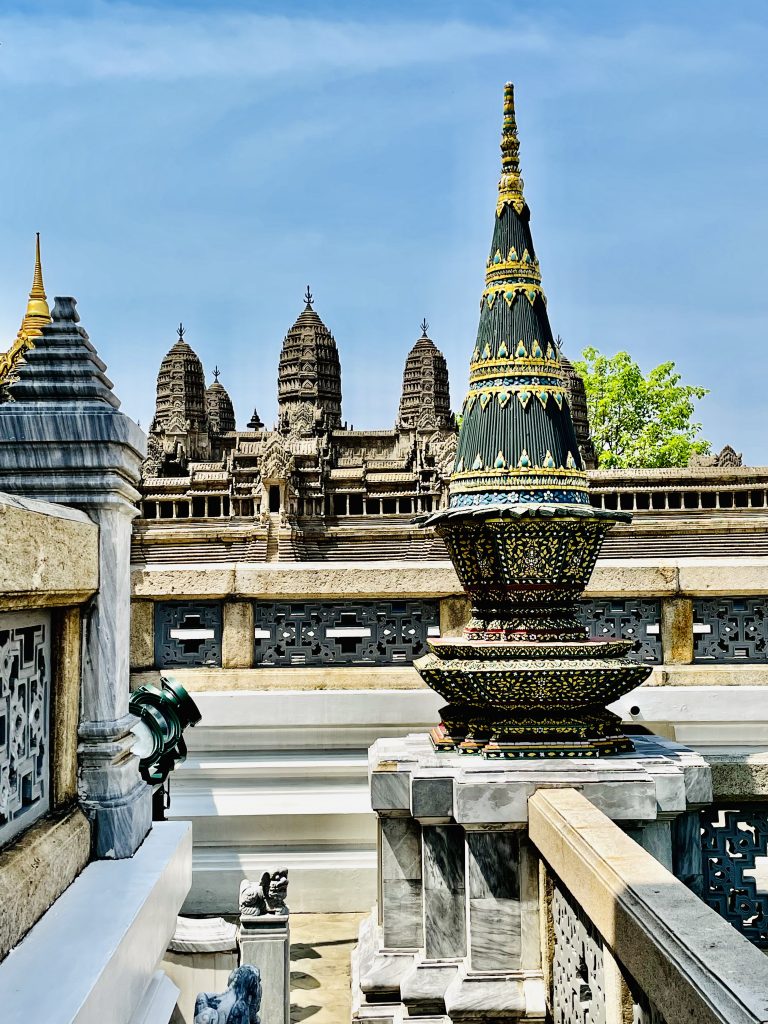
(321, 946)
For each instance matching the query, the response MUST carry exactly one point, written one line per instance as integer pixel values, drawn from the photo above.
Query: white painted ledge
(92, 958)
(321, 881)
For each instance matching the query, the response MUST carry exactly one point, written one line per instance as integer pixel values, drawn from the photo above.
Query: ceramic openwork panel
(545, 552)
(730, 629)
(735, 867)
(578, 983)
(363, 633)
(25, 686)
(187, 634)
(633, 619)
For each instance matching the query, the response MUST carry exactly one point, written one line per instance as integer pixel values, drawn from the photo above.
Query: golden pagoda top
(38, 314)
(36, 317)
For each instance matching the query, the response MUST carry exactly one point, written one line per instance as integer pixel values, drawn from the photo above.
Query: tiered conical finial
(38, 314)
(308, 298)
(510, 183)
(517, 443)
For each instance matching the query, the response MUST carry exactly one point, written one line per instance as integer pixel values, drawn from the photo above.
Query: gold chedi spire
(38, 314)
(510, 183)
(36, 317)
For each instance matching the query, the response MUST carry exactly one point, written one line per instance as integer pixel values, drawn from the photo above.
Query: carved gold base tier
(594, 732)
(530, 699)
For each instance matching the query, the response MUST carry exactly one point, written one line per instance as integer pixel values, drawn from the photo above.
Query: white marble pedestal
(265, 942)
(455, 936)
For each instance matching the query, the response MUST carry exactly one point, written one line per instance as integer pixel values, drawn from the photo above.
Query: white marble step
(265, 799)
(285, 764)
(320, 881)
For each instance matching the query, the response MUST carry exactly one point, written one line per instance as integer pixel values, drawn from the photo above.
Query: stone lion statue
(266, 897)
(240, 1004)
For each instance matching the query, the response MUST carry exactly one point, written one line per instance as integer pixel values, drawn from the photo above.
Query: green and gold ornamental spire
(525, 679)
(517, 442)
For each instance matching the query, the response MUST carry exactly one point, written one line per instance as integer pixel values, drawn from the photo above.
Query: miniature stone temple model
(524, 681)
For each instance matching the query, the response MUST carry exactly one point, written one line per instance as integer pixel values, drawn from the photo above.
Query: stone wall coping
(36, 868)
(739, 776)
(114, 923)
(50, 554)
(405, 677)
(688, 961)
(662, 577)
(44, 508)
(326, 677)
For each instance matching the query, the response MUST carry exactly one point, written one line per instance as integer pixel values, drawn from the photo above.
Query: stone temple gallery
(434, 723)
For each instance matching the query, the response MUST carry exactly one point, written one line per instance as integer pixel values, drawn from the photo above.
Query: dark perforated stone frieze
(360, 633)
(188, 633)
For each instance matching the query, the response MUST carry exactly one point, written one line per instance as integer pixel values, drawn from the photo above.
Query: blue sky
(205, 161)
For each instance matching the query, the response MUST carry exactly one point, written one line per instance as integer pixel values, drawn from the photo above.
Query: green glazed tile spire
(516, 403)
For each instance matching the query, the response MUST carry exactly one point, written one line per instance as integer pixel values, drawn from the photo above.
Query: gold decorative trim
(510, 291)
(524, 393)
(558, 472)
(514, 368)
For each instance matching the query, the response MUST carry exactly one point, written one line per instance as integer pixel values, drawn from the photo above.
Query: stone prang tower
(425, 403)
(309, 377)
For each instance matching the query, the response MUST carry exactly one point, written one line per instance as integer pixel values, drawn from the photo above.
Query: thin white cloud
(136, 43)
(155, 44)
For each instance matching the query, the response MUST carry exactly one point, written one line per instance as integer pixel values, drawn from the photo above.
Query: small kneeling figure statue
(238, 1005)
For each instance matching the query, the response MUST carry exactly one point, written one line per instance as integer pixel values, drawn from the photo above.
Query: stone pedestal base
(265, 942)
(112, 793)
(456, 936)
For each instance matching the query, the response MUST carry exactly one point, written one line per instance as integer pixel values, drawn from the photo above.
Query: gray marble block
(445, 933)
(494, 900)
(265, 942)
(401, 883)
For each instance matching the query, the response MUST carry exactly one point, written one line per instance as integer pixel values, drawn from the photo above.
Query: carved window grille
(734, 846)
(730, 629)
(637, 620)
(321, 633)
(25, 682)
(187, 633)
(578, 985)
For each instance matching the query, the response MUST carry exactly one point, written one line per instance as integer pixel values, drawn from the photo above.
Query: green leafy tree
(639, 421)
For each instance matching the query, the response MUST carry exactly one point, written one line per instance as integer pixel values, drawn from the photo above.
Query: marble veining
(444, 891)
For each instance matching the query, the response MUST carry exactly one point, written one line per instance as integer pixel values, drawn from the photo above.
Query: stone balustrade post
(677, 630)
(63, 439)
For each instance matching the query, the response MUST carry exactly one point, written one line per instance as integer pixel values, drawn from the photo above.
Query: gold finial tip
(38, 314)
(511, 184)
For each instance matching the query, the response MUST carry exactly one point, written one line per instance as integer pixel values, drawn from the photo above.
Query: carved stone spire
(221, 412)
(425, 402)
(180, 398)
(309, 376)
